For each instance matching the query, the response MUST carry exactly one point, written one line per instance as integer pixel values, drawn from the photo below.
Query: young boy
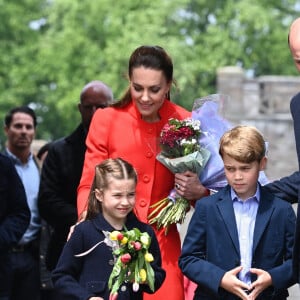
(239, 241)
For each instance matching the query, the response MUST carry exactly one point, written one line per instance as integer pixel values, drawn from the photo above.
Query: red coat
(122, 133)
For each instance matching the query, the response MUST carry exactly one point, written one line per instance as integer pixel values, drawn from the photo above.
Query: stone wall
(263, 102)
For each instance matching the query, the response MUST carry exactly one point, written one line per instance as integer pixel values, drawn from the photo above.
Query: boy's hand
(263, 280)
(232, 284)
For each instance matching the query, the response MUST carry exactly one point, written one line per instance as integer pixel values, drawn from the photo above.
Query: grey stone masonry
(263, 102)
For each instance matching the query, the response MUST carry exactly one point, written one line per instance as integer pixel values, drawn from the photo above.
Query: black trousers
(26, 272)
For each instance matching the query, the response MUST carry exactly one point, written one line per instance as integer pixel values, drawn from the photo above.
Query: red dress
(122, 133)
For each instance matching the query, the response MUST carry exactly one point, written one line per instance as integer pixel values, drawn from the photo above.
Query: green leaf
(150, 275)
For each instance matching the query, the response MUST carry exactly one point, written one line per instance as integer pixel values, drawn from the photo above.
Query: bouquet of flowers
(211, 113)
(180, 151)
(132, 260)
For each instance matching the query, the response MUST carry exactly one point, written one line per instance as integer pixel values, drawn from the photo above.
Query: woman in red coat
(130, 129)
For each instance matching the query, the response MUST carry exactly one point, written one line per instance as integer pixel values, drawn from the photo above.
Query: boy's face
(243, 177)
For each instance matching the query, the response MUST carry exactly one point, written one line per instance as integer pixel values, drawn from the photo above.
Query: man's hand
(233, 285)
(187, 185)
(263, 280)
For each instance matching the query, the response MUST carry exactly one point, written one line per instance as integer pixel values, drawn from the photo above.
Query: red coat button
(143, 203)
(149, 154)
(146, 178)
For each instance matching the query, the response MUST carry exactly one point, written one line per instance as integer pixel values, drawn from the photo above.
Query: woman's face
(148, 88)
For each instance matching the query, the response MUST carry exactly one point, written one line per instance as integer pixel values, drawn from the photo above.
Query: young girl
(110, 205)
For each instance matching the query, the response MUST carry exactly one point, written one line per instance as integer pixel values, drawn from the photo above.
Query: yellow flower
(149, 257)
(143, 275)
(145, 239)
(114, 235)
(124, 240)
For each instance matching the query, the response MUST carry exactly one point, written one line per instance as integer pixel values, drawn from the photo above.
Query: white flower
(193, 123)
(183, 141)
(135, 286)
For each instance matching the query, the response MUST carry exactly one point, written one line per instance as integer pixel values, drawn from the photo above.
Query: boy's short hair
(243, 143)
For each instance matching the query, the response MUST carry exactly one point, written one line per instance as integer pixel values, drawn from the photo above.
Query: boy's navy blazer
(84, 277)
(211, 245)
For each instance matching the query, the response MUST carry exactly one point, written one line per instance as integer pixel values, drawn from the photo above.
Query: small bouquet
(180, 152)
(132, 260)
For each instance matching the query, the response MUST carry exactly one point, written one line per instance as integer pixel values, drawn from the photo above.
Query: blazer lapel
(226, 210)
(264, 213)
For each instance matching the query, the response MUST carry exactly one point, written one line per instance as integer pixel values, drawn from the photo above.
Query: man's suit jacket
(57, 199)
(288, 187)
(14, 218)
(211, 245)
(295, 112)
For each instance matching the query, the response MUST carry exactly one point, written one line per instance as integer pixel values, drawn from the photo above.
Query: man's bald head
(95, 94)
(294, 42)
(98, 87)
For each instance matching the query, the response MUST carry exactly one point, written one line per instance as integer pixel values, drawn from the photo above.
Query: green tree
(18, 47)
(51, 49)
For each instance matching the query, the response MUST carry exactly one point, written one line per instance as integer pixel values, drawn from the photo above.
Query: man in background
(14, 220)
(20, 128)
(62, 169)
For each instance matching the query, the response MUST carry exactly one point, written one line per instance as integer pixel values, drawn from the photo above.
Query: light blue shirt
(245, 215)
(30, 176)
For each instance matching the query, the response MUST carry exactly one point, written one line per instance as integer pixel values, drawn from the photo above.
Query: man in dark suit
(62, 169)
(288, 187)
(20, 125)
(294, 44)
(239, 241)
(14, 220)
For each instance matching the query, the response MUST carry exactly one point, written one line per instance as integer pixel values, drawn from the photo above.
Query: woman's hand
(188, 185)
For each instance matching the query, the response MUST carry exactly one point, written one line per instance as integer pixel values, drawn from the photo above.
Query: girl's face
(117, 201)
(148, 88)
